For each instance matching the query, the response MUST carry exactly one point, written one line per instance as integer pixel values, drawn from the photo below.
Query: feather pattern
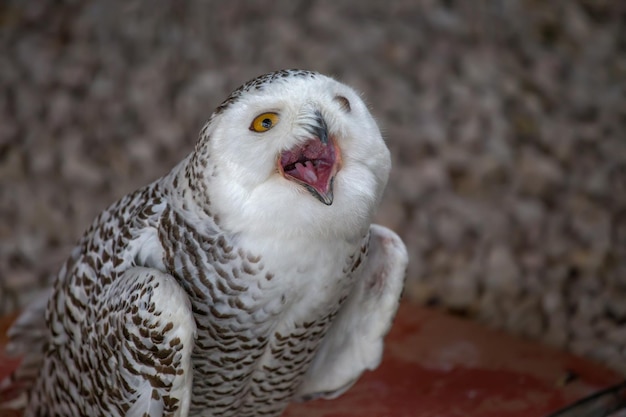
(228, 287)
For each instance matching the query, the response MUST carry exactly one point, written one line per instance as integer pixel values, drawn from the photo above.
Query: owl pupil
(266, 123)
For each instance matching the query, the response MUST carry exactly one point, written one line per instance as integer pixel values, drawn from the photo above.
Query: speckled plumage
(230, 286)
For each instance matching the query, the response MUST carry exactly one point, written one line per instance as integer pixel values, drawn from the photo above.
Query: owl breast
(260, 318)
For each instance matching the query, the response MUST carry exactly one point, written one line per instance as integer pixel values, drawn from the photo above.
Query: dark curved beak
(318, 127)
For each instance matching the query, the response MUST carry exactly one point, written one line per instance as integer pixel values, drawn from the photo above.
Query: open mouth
(313, 165)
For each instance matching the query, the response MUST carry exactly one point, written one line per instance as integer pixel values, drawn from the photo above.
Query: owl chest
(246, 304)
(258, 285)
(251, 358)
(260, 321)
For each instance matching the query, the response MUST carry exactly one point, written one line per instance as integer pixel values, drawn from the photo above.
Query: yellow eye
(264, 122)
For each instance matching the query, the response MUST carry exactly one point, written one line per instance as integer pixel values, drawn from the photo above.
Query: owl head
(293, 152)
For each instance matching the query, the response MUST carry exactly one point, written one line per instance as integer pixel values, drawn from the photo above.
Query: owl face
(295, 149)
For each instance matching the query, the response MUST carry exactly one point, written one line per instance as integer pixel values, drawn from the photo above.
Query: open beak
(315, 163)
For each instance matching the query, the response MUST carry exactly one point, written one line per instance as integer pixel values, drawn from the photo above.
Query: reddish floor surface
(443, 366)
(439, 365)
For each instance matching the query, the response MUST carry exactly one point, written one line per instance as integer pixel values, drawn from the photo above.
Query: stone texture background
(506, 120)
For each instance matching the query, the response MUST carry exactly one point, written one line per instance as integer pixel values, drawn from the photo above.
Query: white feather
(144, 404)
(354, 343)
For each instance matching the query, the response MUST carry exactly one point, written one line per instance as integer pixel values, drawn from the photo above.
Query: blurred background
(506, 120)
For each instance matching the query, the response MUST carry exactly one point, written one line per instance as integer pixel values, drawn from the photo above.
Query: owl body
(247, 277)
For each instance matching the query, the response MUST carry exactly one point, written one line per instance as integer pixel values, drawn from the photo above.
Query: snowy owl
(247, 277)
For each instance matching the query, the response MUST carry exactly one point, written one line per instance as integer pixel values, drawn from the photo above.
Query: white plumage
(248, 277)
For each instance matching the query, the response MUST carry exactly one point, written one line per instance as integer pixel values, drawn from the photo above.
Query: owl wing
(152, 324)
(139, 348)
(27, 337)
(354, 342)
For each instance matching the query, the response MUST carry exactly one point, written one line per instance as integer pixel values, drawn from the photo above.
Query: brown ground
(506, 120)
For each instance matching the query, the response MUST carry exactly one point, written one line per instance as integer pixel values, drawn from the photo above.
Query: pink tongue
(307, 172)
